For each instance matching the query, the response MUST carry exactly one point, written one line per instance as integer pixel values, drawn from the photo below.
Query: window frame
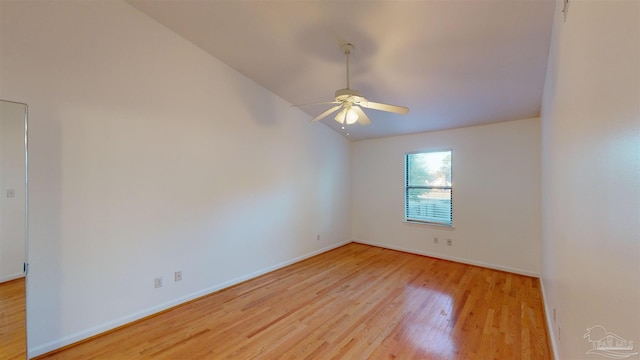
(408, 187)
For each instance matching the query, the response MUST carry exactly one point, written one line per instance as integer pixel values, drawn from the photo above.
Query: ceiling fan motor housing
(344, 94)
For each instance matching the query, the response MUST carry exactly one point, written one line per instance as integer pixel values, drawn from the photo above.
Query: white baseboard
(11, 277)
(79, 336)
(550, 330)
(453, 258)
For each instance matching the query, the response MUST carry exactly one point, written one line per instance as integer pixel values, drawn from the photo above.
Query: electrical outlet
(449, 242)
(435, 240)
(158, 282)
(178, 276)
(11, 193)
(318, 237)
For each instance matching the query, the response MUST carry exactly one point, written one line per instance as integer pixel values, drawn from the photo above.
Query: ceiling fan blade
(326, 113)
(317, 103)
(384, 107)
(363, 119)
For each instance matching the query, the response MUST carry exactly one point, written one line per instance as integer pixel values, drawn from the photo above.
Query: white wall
(149, 156)
(12, 209)
(591, 174)
(496, 195)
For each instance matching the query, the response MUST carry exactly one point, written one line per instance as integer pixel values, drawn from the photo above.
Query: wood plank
(357, 301)
(13, 343)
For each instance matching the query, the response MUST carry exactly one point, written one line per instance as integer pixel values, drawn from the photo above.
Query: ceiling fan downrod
(347, 48)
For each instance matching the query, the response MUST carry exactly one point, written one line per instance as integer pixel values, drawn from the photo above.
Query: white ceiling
(453, 63)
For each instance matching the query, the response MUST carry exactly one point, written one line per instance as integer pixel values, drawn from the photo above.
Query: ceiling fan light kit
(350, 102)
(347, 115)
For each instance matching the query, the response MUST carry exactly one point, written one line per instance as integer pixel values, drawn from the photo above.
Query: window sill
(439, 226)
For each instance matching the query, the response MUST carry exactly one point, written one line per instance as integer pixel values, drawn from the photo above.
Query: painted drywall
(591, 176)
(12, 190)
(148, 156)
(496, 195)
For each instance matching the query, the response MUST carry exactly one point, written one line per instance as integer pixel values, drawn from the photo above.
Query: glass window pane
(428, 187)
(429, 169)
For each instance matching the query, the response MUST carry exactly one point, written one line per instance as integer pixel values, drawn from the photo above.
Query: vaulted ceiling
(453, 63)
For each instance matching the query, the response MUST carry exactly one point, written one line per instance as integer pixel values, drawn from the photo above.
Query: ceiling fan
(350, 102)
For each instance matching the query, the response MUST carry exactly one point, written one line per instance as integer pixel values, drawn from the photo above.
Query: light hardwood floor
(13, 343)
(354, 302)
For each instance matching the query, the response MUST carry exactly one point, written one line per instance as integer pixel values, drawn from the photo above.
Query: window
(427, 190)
